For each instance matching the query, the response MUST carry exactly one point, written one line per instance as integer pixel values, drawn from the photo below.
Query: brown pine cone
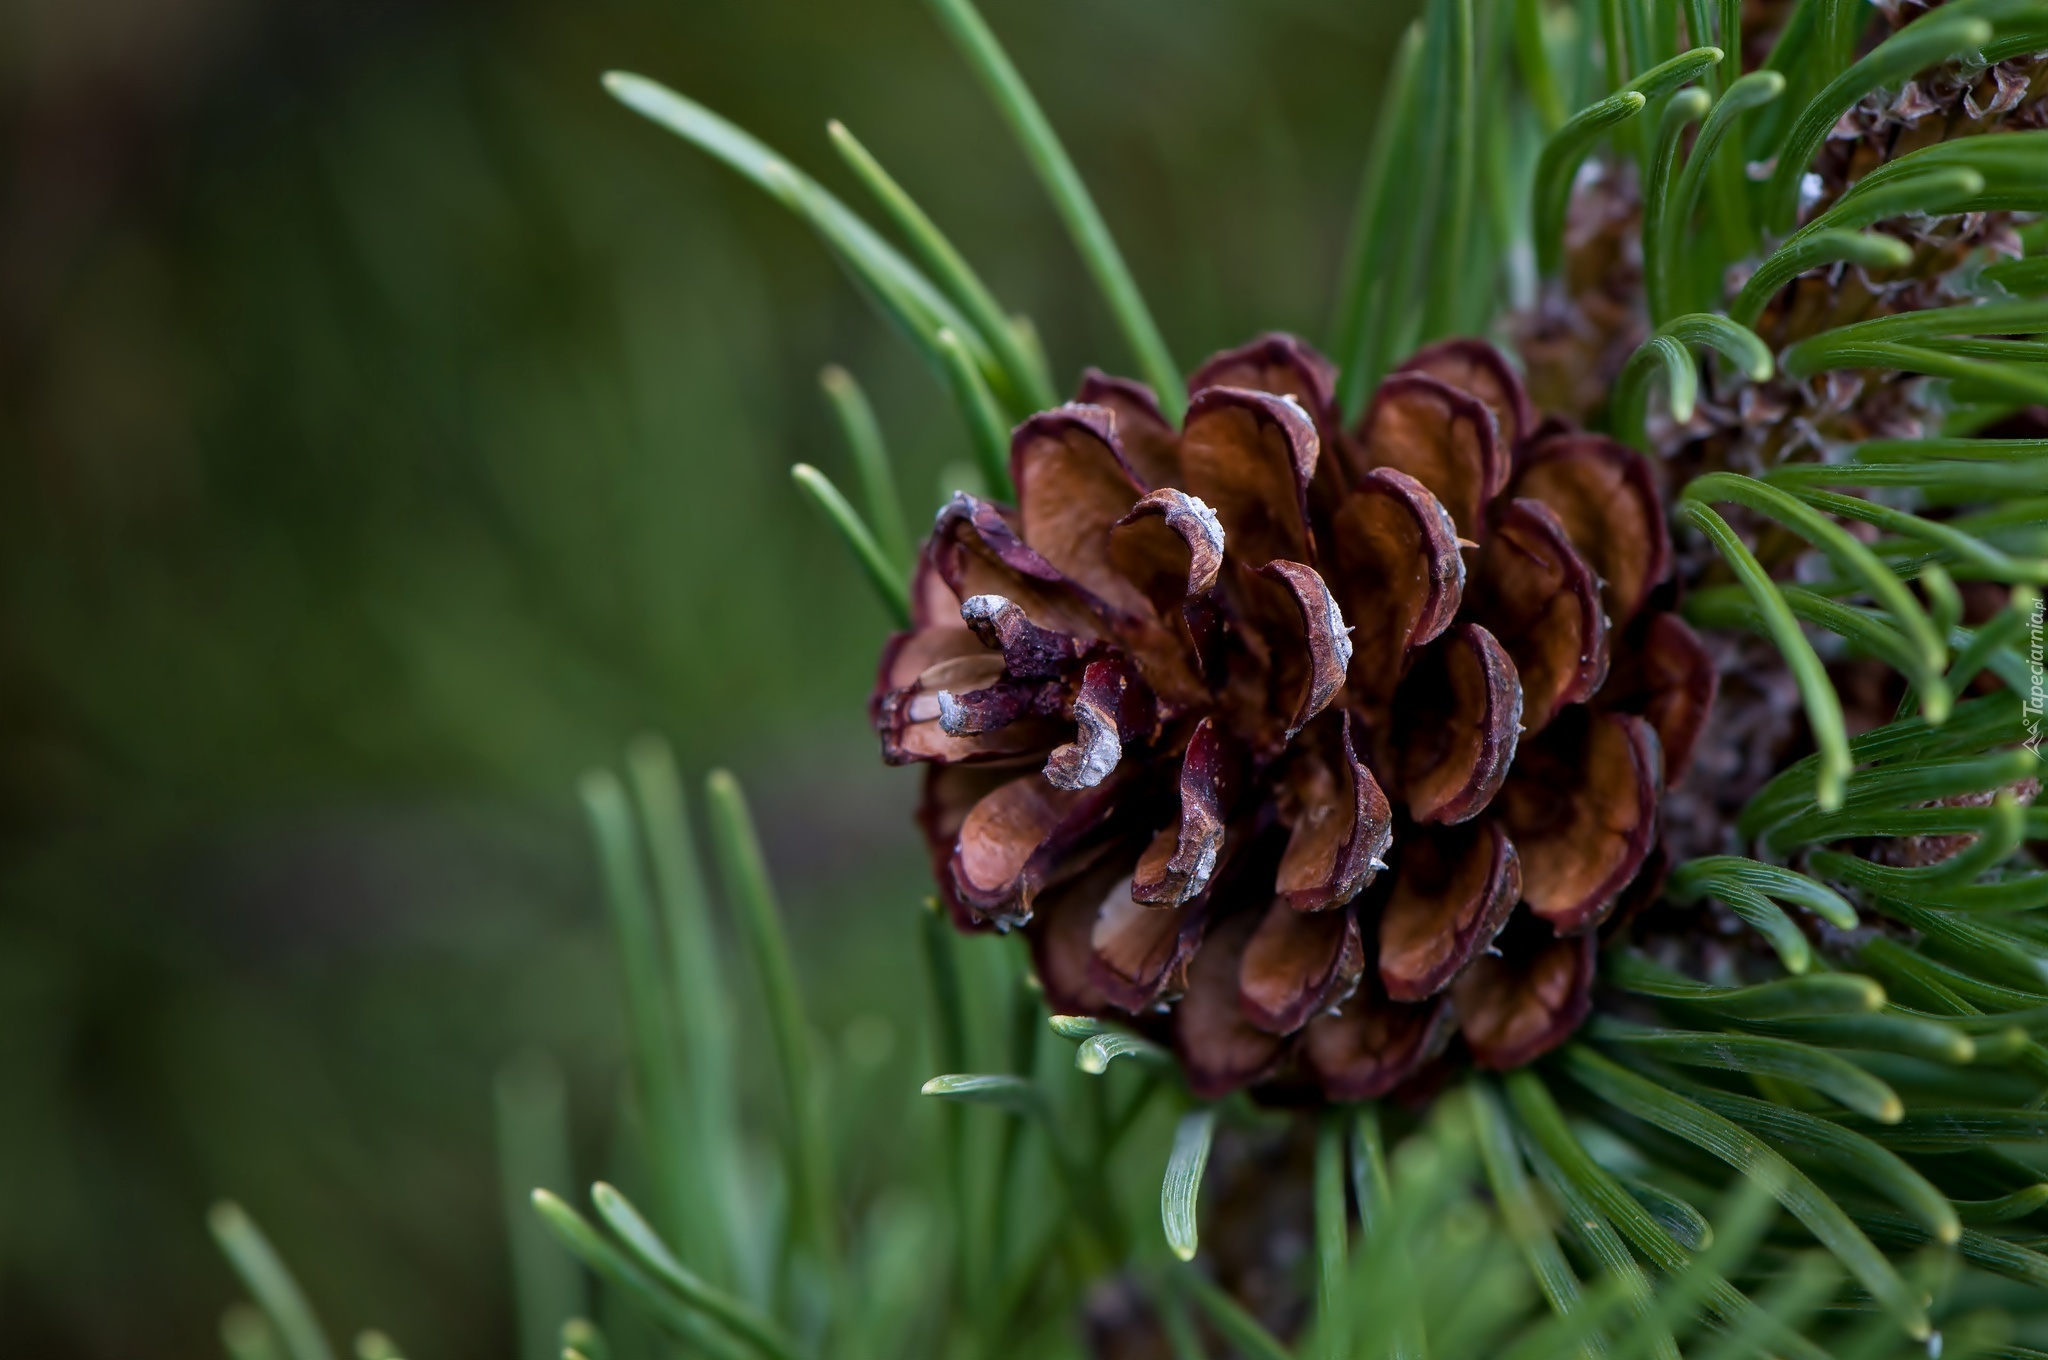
(1309, 749)
(1575, 339)
(1787, 420)
(1586, 323)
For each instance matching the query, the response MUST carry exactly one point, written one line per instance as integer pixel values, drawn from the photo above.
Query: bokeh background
(390, 427)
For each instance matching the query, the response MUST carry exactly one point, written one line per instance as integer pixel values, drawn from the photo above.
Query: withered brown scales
(1321, 754)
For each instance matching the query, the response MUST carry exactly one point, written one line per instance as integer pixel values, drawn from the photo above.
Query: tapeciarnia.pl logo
(2037, 689)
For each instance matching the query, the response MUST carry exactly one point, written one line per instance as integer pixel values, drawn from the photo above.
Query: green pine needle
(1532, 54)
(702, 1006)
(1230, 1319)
(658, 1061)
(2023, 278)
(1848, 555)
(285, 1308)
(1023, 369)
(1934, 37)
(1540, 1117)
(673, 1312)
(1070, 198)
(883, 575)
(1558, 168)
(1823, 706)
(1750, 92)
(751, 897)
(1182, 1187)
(863, 434)
(1821, 994)
(1819, 1069)
(1669, 353)
(1682, 69)
(898, 288)
(1598, 1239)
(1648, 1101)
(1681, 111)
(1361, 339)
(1077, 1027)
(648, 1250)
(1098, 1051)
(533, 1149)
(1868, 249)
(1459, 168)
(1526, 1222)
(1018, 1095)
(987, 431)
(2022, 1203)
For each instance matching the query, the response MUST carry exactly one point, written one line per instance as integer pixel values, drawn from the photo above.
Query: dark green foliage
(1877, 1082)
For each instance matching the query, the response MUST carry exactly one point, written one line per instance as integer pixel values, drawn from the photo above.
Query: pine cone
(1311, 749)
(1575, 339)
(1944, 104)
(1582, 329)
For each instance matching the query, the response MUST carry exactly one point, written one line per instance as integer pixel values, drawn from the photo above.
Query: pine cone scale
(1534, 593)
(1582, 808)
(1295, 964)
(1455, 891)
(1457, 724)
(1395, 556)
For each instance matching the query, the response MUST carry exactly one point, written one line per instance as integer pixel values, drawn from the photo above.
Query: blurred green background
(393, 426)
